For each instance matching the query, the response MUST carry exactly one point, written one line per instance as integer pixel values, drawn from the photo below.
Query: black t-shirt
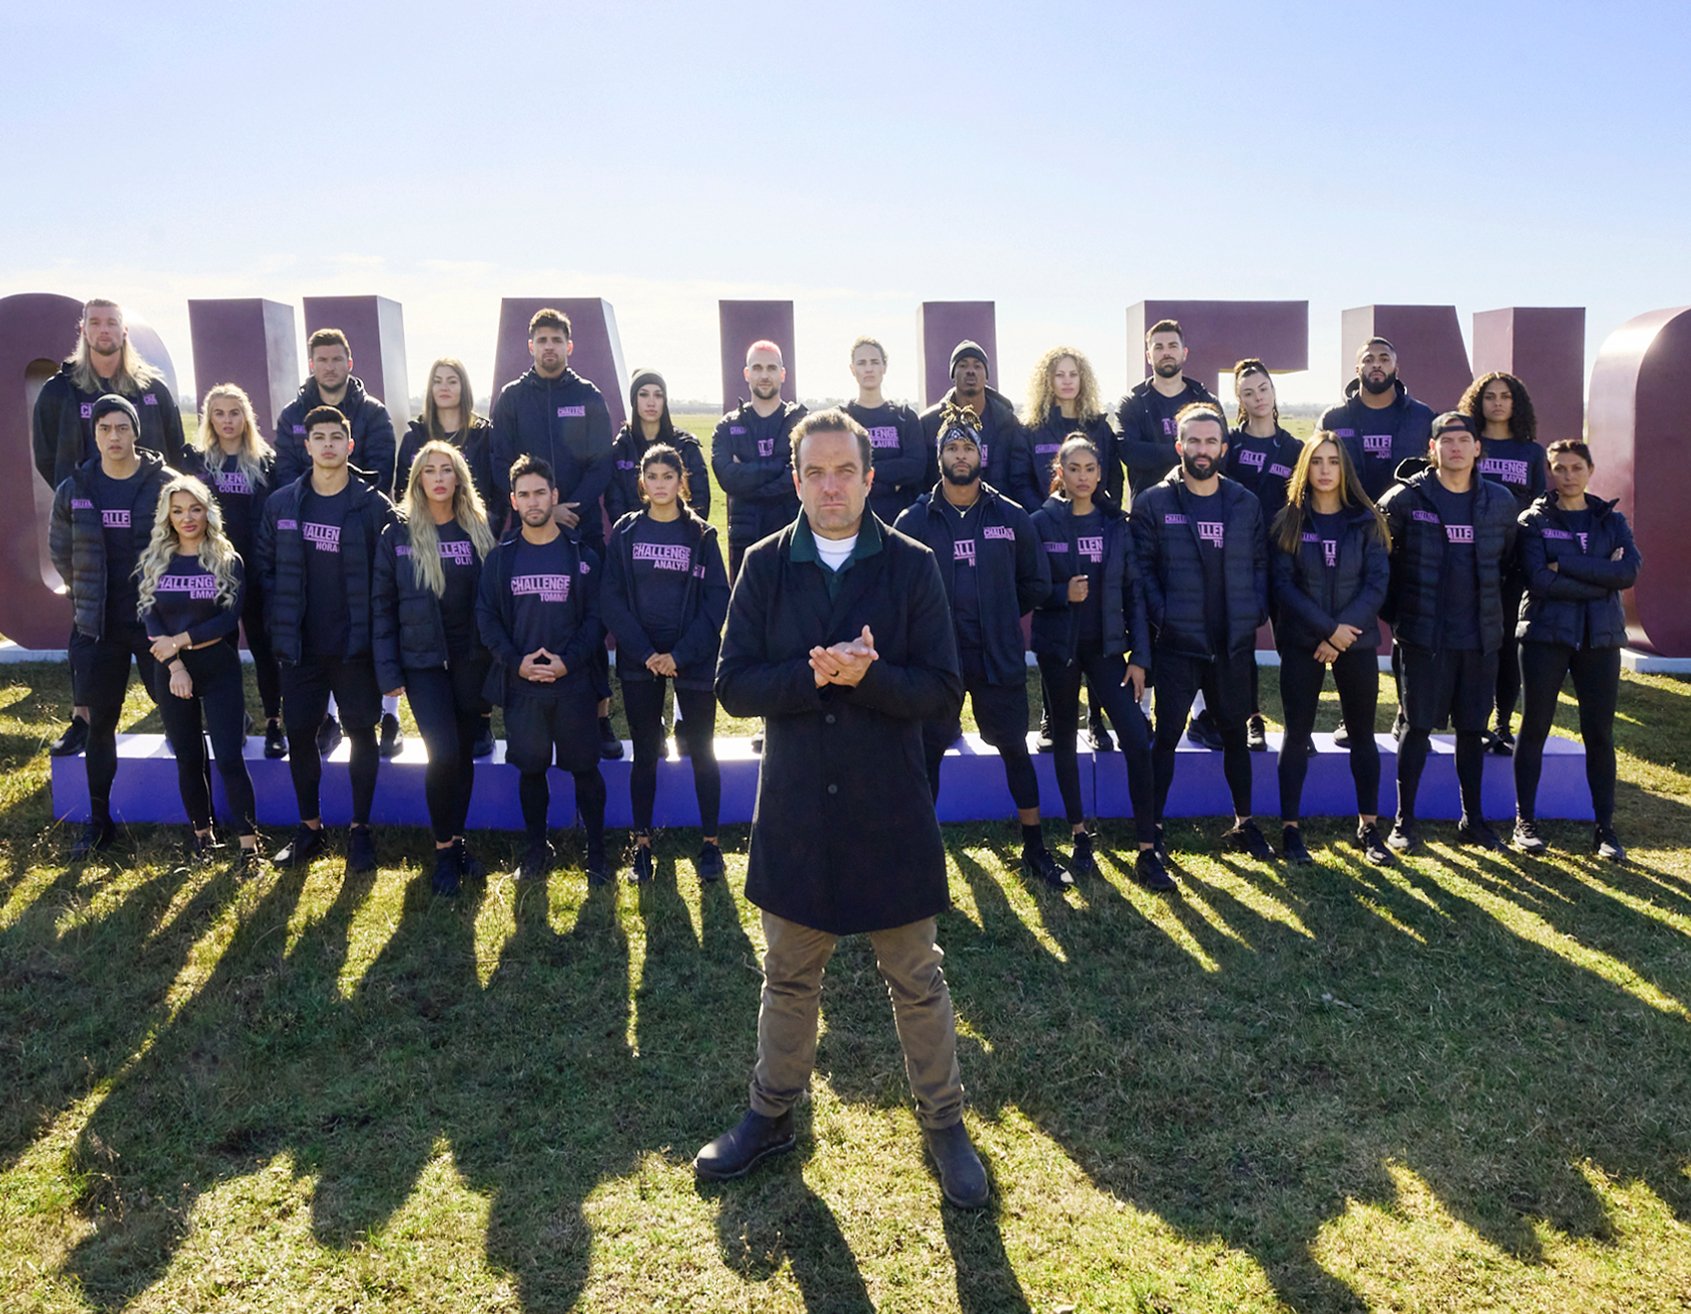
(882, 423)
(663, 563)
(965, 583)
(1088, 533)
(1459, 621)
(544, 579)
(1256, 463)
(116, 500)
(327, 623)
(185, 596)
(462, 569)
(1206, 517)
(1329, 529)
(234, 493)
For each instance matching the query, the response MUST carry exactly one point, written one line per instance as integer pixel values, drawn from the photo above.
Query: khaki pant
(909, 962)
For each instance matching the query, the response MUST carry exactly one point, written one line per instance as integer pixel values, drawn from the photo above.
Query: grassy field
(1460, 1084)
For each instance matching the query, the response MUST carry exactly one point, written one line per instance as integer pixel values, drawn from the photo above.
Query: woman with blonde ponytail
(428, 568)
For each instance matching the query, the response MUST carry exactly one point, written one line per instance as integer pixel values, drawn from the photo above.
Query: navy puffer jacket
(622, 495)
(1311, 599)
(372, 435)
(1056, 624)
(1579, 603)
(407, 632)
(77, 542)
(1168, 553)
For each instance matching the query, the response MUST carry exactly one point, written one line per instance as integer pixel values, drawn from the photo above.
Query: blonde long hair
(254, 450)
(133, 373)
(467, 510)
(1042, 392)
(217, 553)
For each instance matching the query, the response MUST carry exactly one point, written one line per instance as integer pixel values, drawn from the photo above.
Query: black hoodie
(1379, 440)
(372, 435)
(1145, 420)
(565, 422)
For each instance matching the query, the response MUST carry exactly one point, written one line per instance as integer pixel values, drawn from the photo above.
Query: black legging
(448, 706)
(1597, 679)
(264, 666)
(535, 796)
(305, 765)
(1103, 676)
(1508, 658)
(643, 701)
(1178, 680)
(103, 685)
(1019, 773)
(1357, 675)
(1470, 767)
(219, 699)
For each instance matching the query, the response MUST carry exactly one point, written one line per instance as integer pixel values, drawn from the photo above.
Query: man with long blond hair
(62, 429)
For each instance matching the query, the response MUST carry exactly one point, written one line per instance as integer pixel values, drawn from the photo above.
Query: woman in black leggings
(423, 631)
(235, 463)
(1093, 627)
(1329, 554)
(191, 588)
(665, 599)
(1577, 555)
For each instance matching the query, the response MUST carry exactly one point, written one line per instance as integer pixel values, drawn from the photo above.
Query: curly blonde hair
(1042, 393)
(217, 553)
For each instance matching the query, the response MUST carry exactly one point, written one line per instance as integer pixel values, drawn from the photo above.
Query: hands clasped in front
(542, 667)
(844, 663)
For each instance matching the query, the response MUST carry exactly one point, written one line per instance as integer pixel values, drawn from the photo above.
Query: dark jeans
(1226, 685)
(306, 687)
(1597, 678)
(643, 701)
(448, 705)
(1103, 676)
(100, 676)
(1356, 673)
(215, 708)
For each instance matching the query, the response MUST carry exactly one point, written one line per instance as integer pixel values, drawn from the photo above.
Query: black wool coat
(844, 837)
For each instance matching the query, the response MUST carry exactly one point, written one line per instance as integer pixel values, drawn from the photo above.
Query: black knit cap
(639, 379)
(966, 348)
(113, 402)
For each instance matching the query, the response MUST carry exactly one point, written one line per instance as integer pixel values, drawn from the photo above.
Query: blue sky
(858, 159)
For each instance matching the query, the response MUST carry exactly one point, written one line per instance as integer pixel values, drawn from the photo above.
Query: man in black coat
(1145, 416)
(993, 565)
(1452, 532)
(839, 636)
(1203, 562)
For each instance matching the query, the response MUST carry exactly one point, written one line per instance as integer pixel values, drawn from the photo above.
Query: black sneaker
(1373, 847)
(469, 866)
(1403, 838)
(1341, 738)
(447, 876)
(708, 862)
(1502, 742)
(1201, 730)
(598, 867)
(537, 861)
(610, 747)
(305, 845)
(1256, 733)
(735, 1153)
(1082, 862)
(198, 848)
(1098, 737)
(1477, 834)
(251, 861)
(640, 870)
(1606, 844)
(72, 741)
(1292, 845)
(1526, 837)
(1149, 871)
(1043, 742)
(1247, 838)
(393, 739)
(1039, 865)
(275, 740)
(328, 736)
(96, 836)
(484, 740)
(360, 850)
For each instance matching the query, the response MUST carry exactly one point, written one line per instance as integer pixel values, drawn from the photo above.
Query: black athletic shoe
(1247, 838)
(1501, 742)
(1373, 847)
(598, 867)
(328, 736)
(1201, 730)
(469, 866)
(360, 850)
(1292, 845)
(1256, 733)
(275, 740)
(447, 876)
(1526, 837)
(537, 861)
(640, 870)
(735, 1153)
(251, 861)
(962, 1176)
(1082, 862)
(610, 747)
(72, 741)
(484, 741)
(1341, 738)
(96, 836)
(1403, 838)
(305, 845)
(1606, 844)
(1039, 865)
(1042, 742)
(1098, 738)
(393, 739)
(1149, 871)
(708, 862)
(199, 848)
(1478, 834)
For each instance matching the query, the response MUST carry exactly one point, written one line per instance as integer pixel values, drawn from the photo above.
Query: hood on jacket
(1353, 390)
(1144, 386)
(1598, 506)
(148, 458)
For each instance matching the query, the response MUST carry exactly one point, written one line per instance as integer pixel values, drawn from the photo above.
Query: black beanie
(113, 402)
(969, 347)
(638, 380)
